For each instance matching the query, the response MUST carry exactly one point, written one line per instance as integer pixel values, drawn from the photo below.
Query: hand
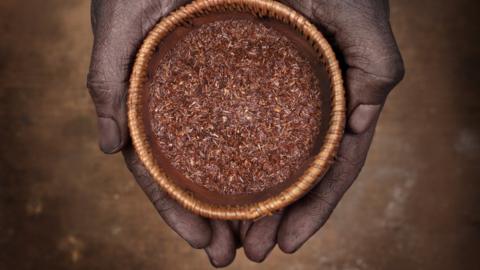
(119, 28)
(360, 32)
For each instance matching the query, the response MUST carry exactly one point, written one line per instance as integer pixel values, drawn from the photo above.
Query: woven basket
(321, 161)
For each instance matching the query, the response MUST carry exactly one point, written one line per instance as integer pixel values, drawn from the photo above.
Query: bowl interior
(303, 46)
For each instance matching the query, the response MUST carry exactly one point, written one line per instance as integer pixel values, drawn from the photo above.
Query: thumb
(360, 33)
(372, 62)
(117, 33)
(110, 104)
(368, 88)
(118, 29)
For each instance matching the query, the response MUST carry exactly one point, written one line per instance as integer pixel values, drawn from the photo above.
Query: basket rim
(321, 161)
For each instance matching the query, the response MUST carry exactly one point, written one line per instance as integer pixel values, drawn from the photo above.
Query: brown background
(64, 205)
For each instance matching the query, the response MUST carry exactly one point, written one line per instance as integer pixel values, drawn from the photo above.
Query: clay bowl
(306, 38)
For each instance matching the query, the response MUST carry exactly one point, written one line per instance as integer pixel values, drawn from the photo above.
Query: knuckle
(159, 198)
(389, 68)
(96, 83)
(162, 202)
(134, 164)
(108, 96)
(394, 70)
(321, 207)
(378, 71)
(98, 90)
(378, 59)
(156, 195)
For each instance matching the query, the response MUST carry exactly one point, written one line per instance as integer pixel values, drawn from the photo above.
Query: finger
(235, 226)
(262, 237)
(244, 227)
(194, 229)
(307, 216)
(361, 34)
(222, 248)
(118, 28)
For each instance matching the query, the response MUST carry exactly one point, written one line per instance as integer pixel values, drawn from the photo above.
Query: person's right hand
(119, 28)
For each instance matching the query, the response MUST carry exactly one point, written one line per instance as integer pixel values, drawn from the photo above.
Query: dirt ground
(64, 205)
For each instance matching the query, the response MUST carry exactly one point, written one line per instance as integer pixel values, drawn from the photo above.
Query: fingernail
(109, 135)
(363, 117)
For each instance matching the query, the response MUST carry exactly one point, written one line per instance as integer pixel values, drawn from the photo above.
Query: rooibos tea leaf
(235, 107)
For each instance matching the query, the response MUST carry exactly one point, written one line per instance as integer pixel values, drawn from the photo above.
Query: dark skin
(359, 31)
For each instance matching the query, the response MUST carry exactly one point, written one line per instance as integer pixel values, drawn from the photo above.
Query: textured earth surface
(64, 205)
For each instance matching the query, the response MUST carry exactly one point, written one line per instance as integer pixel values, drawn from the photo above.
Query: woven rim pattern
(321, 161)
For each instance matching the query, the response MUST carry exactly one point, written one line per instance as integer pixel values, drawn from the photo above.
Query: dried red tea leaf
(235, 107)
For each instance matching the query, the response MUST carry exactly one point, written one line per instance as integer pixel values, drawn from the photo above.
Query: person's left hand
(372, 66)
